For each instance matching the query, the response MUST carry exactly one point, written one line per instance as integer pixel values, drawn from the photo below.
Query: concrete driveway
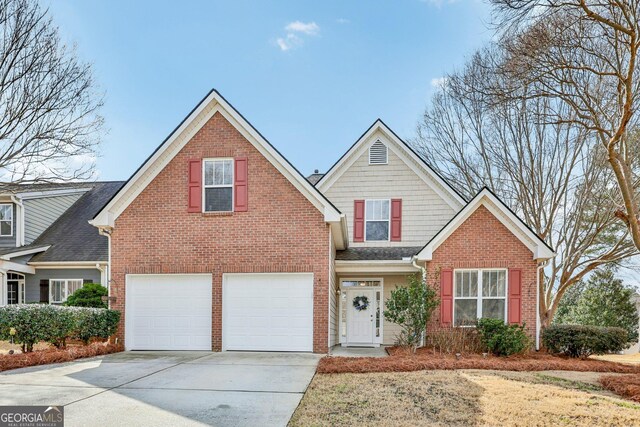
(167, 388)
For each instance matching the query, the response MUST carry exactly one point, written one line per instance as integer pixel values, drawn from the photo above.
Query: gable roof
(405, 152)
(485, 197)
(211, 104)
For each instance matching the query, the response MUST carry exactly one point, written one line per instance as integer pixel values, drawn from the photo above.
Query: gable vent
(378, 154)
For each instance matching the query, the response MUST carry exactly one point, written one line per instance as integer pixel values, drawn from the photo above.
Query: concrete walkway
(167, 388)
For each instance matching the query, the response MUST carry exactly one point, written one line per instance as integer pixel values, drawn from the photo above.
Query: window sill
(217, 213)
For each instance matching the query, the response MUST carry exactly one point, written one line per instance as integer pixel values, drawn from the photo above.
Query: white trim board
(540, 250)
(380, 131)
(214, 103)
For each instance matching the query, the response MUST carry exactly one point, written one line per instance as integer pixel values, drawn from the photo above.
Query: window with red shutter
(515, 296)
(446, 296)
(241, 187)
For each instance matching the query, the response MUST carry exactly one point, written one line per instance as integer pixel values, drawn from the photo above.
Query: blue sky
(311, 76)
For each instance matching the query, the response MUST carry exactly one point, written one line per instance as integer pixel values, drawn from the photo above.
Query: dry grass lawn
(462, 398)
(620, 358)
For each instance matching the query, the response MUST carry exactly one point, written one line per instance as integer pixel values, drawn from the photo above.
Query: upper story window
(478, 294)
(378, 154)
(6, 219)
(377, 220)
(218, 185)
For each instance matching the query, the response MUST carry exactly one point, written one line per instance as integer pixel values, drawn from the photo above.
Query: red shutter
(240, 185)
(515, 296)
(358, 221)
(195, 185)
(446, 296)
(396, 220)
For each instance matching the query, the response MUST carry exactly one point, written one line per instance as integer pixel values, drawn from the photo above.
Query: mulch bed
(54, 355)
(400, 360)
(627, 386)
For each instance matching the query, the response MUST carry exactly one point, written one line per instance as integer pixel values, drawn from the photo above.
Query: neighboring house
(636, 347)
(218, 242)
(47, 247)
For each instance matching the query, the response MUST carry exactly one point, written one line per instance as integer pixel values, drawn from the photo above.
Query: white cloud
(343, 21)
(438, 82)
(295, 33)
(309, 28)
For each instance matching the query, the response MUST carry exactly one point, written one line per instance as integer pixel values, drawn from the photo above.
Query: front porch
(361, 291)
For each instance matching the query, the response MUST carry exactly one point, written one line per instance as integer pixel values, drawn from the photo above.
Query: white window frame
(342, 339)
(373, 220)
(66, 289)
(11, 210)
(479, 297)
(21, 287)
(205, 186)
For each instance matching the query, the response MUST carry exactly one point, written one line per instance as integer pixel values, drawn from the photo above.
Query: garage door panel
(168, 312)
(270, 312)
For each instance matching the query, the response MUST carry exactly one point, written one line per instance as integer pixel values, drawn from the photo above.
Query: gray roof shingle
(377, 253)
(71, 236)
(314, 178)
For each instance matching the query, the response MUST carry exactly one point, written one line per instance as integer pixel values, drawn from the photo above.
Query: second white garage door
(267, 312)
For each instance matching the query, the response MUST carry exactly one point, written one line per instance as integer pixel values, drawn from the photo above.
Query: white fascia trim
(68, 264)
(181, 136)
(19, 253)
(375, 267)
(14, 266)
(400, 149)
(52, 193)
(505, 216)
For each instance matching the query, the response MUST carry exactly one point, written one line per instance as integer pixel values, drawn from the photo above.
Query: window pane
(473, 284)
(5, 228)
(459, 277)
(74, 285)
(377, 210)
(208, 173)
(228, 173)
(493, 283)
(493, 308)
(6, 212)
(465, 311)
(369, 212)
(466, 284)
(218, 199)
(377, 230)
(218, 173)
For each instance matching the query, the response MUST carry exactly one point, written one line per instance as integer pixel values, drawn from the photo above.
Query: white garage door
(168, 312)
(268, 312)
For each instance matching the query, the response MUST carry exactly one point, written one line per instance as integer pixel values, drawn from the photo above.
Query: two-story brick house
(218, 242)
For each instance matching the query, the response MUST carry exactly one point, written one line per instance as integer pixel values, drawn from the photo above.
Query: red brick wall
(281, 232)
(482, 241)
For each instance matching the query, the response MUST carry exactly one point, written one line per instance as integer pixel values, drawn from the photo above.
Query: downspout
(414, 262)
(538, 270)
(20, 220)
(107, 232)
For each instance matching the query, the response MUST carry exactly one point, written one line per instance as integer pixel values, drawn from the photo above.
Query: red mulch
(54, 355)
(624, 385)
(400, 360)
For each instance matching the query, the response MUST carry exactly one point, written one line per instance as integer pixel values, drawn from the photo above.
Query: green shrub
(61, 326)
(502, 339)
(89, 295)
(94, 323)
(411, 307)
(583, 341)
(28, 324)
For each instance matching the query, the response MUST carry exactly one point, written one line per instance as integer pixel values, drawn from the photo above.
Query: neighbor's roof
(7, 187)
(314, 178)
(377, 254)
(71, 236)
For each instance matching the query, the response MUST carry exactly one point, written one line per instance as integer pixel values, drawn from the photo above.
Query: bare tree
(583, 53)
(49, 119)
(553, 174)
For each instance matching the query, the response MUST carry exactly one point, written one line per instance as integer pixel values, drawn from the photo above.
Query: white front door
(361, 312)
